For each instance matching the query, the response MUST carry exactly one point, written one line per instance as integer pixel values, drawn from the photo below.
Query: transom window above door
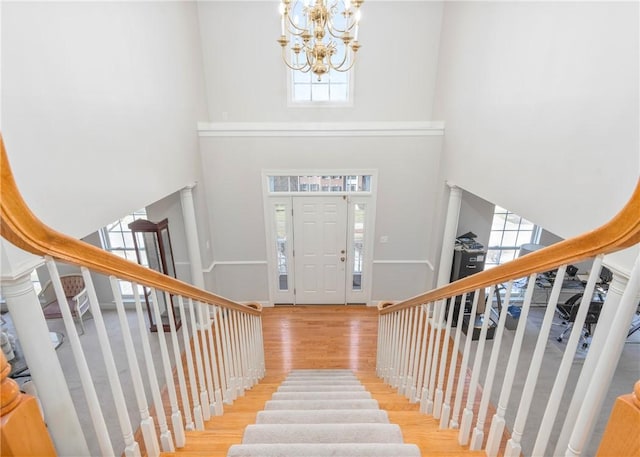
(318, 183)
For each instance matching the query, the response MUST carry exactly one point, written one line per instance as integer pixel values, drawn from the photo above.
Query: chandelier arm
(344, 59)
(292, 28)
(335, 30)
(342, 70)
(293, 66)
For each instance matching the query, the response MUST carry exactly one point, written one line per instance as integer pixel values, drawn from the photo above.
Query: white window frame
(292, 103)
(535, 236)
(106, 245)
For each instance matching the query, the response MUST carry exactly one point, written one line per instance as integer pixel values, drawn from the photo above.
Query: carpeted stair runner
(322, 413)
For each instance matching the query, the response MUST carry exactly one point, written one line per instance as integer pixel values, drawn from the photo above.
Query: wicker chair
(75, 293)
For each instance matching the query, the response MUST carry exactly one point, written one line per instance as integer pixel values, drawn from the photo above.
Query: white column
(449, 235)
(191, 234)
(46, 372)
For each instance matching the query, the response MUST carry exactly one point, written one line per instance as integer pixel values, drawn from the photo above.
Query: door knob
(342, 259)
(342, 252)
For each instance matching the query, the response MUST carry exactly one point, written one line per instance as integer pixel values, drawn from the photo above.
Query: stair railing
(185, 373)
(421, 350)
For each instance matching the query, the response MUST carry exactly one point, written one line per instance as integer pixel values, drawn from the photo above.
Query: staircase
(317, 413)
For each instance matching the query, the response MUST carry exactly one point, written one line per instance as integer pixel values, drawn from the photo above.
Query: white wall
(99, 106)
(540, 101)
(247, 80)
(407, 171)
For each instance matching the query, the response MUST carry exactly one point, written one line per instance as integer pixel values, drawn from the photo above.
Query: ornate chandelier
(312, 28)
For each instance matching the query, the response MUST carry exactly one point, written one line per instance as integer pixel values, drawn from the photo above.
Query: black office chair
(569, 309)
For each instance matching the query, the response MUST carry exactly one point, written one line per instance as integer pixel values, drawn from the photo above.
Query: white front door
(320, 246)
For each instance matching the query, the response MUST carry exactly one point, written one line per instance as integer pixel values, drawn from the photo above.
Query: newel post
(22, 430)
(621, 435)
(46, 372)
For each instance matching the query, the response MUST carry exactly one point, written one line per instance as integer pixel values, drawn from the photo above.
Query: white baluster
(462, 376)
(146, 421)
(606, 366)
(392, 351)
(404, 351)
(446, 405)
(467, 414)
(176, 415)
(203, 318)
(252, 350)
(228, 355)
(244, 350)
(416, 356)
(166, 439)
(513, 447)
(380, 344)
(398, 363)
(423, 350)
(560, 382)
(261, 342)
(235, 344)
(214, 369)
(478, 432)
(426, 404)
(411, 378)
(193, 385)
(438, 397)
(131, 446)
(439, 323)
(204, 395)
(397, 366)
(182, 385)
(221, 362)
(498, 421)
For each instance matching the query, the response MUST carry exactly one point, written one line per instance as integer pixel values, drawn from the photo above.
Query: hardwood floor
(321, 336)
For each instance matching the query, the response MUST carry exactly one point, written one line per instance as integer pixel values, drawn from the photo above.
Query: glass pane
(513, 222)
(498, 221)
(280, 183)
(526, 225)
(339, 93)
(168, 255)
(338, 183)
(299, 77)
(281, 245)
(493, 257)
(320, 93)
(128, 240)
(495, 239)
(339, 77)
(524, 237)
(365, 185)
(509, 239)
(293, 183)
(115, 240)
(508, 254)
(302, 93)
(358, 244)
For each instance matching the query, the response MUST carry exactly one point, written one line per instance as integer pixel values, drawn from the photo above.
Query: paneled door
(320, 246)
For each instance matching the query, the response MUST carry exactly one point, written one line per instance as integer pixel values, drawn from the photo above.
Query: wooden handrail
(22, 228)
(620, 232)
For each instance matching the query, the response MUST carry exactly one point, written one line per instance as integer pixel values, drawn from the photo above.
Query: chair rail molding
(306, 129)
